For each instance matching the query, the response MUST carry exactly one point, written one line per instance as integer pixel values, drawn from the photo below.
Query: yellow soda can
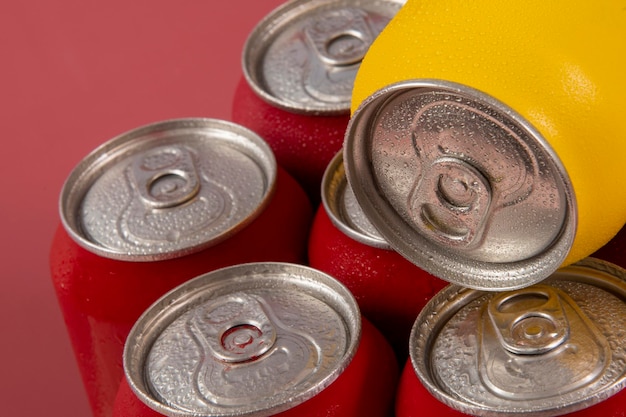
(487, 141)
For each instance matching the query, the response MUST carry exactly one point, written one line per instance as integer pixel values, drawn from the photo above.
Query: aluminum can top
(460, 184)
(545, 350)
(248, 340)
(303, 56)
(342, 208)
(168, 189)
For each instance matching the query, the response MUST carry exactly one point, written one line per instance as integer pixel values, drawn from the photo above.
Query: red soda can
(128, 404)
(299, 65)
(257, 339)
(153, 208)
(555, 348)
(390, 290)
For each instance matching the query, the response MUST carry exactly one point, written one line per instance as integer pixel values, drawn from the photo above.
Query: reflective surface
(547, 349)
(251, 339)
(168, 189)
(460, 184)
(304, 56)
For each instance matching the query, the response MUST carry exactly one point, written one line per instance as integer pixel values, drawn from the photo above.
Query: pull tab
(165, 176)
(536, 343)
(451, 202)
(339, 41)
(529, 321)
(235, 328)
(248, 355)
(340, 38)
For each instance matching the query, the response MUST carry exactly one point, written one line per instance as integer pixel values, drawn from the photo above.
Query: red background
(73, 75)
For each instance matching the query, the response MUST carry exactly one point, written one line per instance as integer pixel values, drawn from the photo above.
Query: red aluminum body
(365, 388)
(303, 144)
(390, 290)
(299, 65)
(413, 400)
(101, 298)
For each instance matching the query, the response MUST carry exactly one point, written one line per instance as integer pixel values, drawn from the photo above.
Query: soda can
(154, 207)
(615, 250)
(461, 191)
(299, 65)
(390, 290)
(258, 339)
(480, 133)
(550, 349)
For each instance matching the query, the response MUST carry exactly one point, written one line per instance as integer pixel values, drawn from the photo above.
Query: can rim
(471, 273)
(334, 183)
(182, 298)
(261, 35)
(93, 164)
(445, 304)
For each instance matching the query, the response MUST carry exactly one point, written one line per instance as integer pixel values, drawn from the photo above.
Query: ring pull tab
(235, 328)
(339, 41)
(537, 343)
(529, 321)
(246, 354)
(340, 38)
(165, 176)
(451, 202)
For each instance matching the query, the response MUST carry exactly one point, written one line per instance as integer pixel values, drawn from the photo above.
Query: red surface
(73, 75)
(390, 290)
(414, 400)
(303, 144)
(101, 298)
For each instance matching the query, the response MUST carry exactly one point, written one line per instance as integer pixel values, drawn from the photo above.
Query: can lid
(252, 339)
(460, 184)
(168, 189)
(549, 349)
(343, 209)
(303, 56)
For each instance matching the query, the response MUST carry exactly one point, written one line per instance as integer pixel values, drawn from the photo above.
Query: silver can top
(460, 184)
(304, 55)
(342, 208)
(248, 340)
(546, 350)
(168, 189)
